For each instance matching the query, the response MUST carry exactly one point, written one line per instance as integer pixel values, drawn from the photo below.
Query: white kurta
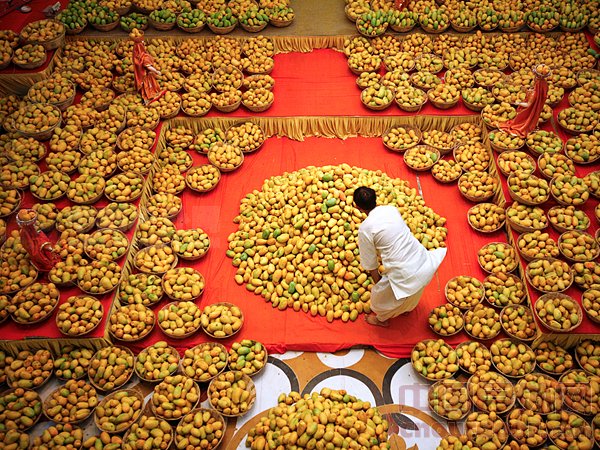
(409, 266)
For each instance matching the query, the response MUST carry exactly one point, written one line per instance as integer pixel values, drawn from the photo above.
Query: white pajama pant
(386, 305)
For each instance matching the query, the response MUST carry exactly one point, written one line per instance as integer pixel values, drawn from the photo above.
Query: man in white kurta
(408, 265)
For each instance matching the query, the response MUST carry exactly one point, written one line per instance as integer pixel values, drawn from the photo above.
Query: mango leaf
(404, 422)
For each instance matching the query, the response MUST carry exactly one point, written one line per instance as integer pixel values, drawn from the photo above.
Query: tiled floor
(388, 383)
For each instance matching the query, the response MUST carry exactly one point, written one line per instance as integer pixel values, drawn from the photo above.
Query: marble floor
(391, 384)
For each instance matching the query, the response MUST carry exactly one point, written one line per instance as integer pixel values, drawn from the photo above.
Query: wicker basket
(521, 228)
(175, 270)
(458, 330)
(410, 108)
(512, 29)
(517, 280)
(221, 30)
(510, 259)
(356, 71)
(128, 374)
(499, 149)
(422, 169)
(579, 312)
(439, 179)
(439, 30)
(573, 132)
(592, 318)
(51, 44)
(97, 293)
(416, 130)
(190, 258)
(42, 135)
(211, 346)
(517, 198)
(442, 105)
(215, 415)
(401, 29)
(16, 207)
(195, 114)
(46, 406)
(172, 336)
(259, 108)
(253, 29)
(150, 271)
(73, 31)
(536, 29)
(197, 29)
(87, 331)
(121, 235)
(596, 249)
(141, 9)
(524, 255)
(558, 200)
(503, 314)
(499, 226)
(503, 381)
(376, 107)
(560, 229)
(124, 425)
(462, 29)
(486, 338)
(42, 319)
(228, 305)
(106, 27)
(487, 86)
(351, 18)
(231, 361)
(549, 380)
(66, 103)
(123, 10)
(31, 65)
(194, 169)
(172, 114)
(441, 417)
(567, 286)
(528, 349)
(508, 173)
(458, 305)
(172, 419)
(280, 23)
(161, 26)
(572, 30)
(90, 201)
(35, 419)
(472, 106)
(228, 108)
(251, 398)
(471, 198)
(412, 362)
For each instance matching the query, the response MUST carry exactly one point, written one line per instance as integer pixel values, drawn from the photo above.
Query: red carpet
(316, 84)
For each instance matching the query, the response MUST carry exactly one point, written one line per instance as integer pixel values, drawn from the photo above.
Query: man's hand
(154, 70)
(375, 275)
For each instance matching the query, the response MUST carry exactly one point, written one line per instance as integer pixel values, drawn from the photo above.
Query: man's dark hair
(365, 198)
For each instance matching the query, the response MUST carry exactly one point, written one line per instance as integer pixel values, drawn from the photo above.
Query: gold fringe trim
(19, 83)
(299, 128)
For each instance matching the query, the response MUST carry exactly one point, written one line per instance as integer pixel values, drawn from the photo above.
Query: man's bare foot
(372, 320)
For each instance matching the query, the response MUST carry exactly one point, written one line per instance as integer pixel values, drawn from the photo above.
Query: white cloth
(408, 265)
(384, 303)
